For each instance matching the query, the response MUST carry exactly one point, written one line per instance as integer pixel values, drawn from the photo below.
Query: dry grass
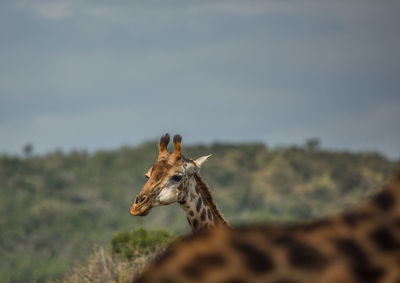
(101, 266)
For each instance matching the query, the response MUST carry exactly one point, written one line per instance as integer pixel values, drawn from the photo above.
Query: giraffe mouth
(142, 210)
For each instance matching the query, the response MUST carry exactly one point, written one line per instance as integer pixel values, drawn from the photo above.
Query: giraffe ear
(199, 161)
(194, 167)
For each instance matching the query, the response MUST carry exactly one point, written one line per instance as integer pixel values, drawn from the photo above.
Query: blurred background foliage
(130, 244)
(54, 208)
(130, 252)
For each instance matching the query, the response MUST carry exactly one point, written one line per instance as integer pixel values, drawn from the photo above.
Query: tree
(313, 144)
(28, 149)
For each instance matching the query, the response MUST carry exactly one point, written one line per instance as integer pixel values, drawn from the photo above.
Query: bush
(101, 267)
(139, 241)
(300, 209)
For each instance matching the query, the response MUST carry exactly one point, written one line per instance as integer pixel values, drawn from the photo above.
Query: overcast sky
(100, 74)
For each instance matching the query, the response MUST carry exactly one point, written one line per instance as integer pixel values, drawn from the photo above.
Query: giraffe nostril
(141, 199)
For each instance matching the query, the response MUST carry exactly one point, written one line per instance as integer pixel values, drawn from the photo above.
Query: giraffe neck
(201, 212)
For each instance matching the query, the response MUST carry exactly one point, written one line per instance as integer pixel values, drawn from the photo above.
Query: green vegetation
(101, 266)
(130, 252)
(139, 242)
(54, 208)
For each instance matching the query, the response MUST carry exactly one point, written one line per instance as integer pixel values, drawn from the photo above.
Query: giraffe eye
(176, 178)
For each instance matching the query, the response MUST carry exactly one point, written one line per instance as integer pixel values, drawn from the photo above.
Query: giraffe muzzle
(141, 206)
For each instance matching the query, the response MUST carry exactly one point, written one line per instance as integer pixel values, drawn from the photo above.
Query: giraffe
(358, 245)
(175, 178)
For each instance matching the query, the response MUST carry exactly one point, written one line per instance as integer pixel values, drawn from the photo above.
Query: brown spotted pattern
(200, 212)
(361, 245)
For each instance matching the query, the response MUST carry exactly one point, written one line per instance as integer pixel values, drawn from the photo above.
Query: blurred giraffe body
(360, 245)
(175, 178)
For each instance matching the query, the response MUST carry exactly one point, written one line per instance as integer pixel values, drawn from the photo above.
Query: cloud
(53, 10)
(237, 7)
(123, 12)
(47, 10)
(278, 71)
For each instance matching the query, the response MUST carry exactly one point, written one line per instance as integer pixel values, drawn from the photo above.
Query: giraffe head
(166, 178)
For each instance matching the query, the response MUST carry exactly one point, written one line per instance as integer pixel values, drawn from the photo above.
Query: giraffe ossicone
(175, 179)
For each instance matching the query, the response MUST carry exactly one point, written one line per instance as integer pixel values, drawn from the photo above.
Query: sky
(93, 74)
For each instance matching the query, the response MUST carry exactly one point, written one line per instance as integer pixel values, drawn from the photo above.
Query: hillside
(55, 207)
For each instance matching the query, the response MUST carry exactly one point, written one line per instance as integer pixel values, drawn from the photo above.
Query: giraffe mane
(206, 194)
